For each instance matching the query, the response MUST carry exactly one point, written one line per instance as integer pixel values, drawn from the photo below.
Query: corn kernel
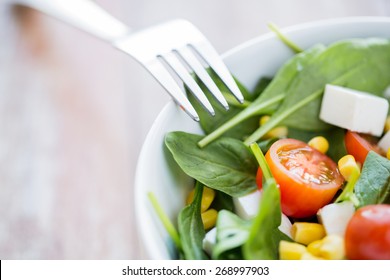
(306, 233)
(291, 250)
(315, 247)
(277, 132)
(207, 198)
(347, 165)
(264, 119)
(320, 143)
(388, 153)
(331, 247)
(209, 218)
(310, 256)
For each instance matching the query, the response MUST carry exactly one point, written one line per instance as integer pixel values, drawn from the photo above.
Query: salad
(288, 174)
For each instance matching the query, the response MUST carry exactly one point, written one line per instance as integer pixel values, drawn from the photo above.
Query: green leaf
(373, 186)
(272, 96)
(365, 64)
(191, 228)
(361, 64)
(210, 123)
(264, 238)
(260, 86)
(232, 232)
(226, 165)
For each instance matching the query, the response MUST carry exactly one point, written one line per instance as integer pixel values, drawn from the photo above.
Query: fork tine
(168, 82)
(189, 81)
(199, 70)
(209, 54)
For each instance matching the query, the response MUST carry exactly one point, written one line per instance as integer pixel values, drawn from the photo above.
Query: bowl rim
(143, 235)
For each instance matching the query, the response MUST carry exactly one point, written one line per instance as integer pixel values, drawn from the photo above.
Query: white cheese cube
(354, 110)
(335, 217)
(247, 206)
(384, 143)
(209, 240)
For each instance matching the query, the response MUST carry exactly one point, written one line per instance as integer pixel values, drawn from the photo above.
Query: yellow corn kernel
(331, 247)
(277, 132)
(264, 119)
(291, 250)
(320, 143)
(207, 198)
(388, 153)
(209, 218)
(310, 256)
(347, 165)
(306, 233)
(314, 247)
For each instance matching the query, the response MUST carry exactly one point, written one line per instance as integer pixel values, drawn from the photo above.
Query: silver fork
(175, 45)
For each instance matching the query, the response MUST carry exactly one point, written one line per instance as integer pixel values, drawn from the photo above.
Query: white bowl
(262, 56)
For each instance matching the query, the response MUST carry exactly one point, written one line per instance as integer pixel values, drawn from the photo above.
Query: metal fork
(176, 45)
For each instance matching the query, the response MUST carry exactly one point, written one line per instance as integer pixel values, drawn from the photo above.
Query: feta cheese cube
(247, 206)
(354, 110)
(384, 143)
(209, 240)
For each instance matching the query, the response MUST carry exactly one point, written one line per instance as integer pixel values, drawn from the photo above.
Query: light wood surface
(74, 113)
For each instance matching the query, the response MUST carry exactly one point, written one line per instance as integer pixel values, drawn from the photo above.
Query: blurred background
(74, 113)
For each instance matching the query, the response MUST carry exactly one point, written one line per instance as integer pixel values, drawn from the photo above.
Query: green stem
(277, 119)
(165, 220)
(233, 101)
(284, 39)
(261, 160)
(254, 109)
(348, 192)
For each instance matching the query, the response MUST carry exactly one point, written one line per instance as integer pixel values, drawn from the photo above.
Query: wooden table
(74, 113)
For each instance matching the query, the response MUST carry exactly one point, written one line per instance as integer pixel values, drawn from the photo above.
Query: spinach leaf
(264, 236)
(261, 85)
(272, 96)
(210, 123)
(373, 186)
(335, 137)
(361, 64)
(191, 228)
(226, 165)
(232, 232)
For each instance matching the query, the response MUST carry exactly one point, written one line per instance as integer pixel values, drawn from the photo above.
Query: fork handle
(82, 14)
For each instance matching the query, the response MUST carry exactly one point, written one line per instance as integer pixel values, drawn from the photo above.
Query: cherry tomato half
(368, 233)
(307, 179)
(359, 146)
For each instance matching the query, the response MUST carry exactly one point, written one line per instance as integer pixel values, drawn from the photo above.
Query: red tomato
(259, 179)
(307, 179)
(359, 146)
(368, 233)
